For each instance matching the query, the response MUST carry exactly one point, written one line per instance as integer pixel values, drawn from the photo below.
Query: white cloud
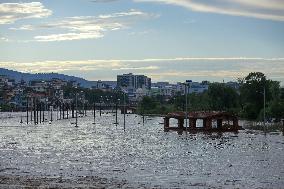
(11, 12)
(137, 68)
(4, 39)
(87, 27)
(68, 36)
(261, 9)
(171, 69)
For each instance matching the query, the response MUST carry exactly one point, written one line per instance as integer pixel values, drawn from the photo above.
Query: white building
(193, 87)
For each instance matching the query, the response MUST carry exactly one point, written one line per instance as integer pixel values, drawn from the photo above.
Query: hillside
(44, 76)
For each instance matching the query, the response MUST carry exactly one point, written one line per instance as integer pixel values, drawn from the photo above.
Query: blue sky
(168, 40)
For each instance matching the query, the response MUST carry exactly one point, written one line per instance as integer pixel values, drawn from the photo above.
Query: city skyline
(163, 39)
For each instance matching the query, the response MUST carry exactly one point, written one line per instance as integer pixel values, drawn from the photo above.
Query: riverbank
(268, 127)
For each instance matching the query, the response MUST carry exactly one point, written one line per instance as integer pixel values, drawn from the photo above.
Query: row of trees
(246, 102)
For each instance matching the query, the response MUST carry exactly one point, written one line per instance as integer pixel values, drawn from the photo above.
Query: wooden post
(27, 110)
(43, 111)
(100, 108)
(51, 112)
(73, 107)
(39, 112)
(94, 113)
(63, 110)
(116, 107)
(60, 106)
(37, 107)
(67, 111)
(32, 109)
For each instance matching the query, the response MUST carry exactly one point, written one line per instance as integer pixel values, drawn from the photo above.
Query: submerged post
(116, 107)
(34, 111)
(101, 106)
(63, 110)
(76, 110)
(43, 116)
(32, 105)
(40, 112)
(37, 109)
(60, 110)
(67, 110)
(51, 110)
(94, 107)
(27, 107)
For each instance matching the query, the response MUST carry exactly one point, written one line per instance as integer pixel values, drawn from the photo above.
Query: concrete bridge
(224, 121)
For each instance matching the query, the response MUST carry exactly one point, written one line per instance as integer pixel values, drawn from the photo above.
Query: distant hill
(45, 76)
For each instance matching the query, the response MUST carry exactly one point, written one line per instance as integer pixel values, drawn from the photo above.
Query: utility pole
(186, 107)
(264, 120)
(187, 83)
(124, 109)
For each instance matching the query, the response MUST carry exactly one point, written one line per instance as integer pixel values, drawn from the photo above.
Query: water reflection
(143, 153)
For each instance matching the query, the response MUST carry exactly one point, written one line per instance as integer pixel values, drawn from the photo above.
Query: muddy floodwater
(104, 155)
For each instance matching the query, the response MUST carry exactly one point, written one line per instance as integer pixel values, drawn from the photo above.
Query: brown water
(143, 154)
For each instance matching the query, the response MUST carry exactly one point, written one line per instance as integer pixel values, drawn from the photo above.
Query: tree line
(247, 101)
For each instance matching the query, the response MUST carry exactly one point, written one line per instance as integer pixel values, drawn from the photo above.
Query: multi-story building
(132, 82)
(193, 87)
(6, 81)
(163, 88)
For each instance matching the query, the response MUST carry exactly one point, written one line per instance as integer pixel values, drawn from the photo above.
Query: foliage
(247, 101)
(222, 97)
(94, 95)
(252, 94)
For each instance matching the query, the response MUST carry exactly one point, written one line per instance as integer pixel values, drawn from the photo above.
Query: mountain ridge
(44, 76)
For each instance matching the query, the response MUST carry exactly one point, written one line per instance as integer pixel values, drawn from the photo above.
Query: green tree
(222, 97)
(252, 94)
(148, 105)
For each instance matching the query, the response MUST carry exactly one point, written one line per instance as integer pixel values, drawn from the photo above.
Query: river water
(142, 154)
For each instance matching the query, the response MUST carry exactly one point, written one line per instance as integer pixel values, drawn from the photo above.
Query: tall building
(133, 82)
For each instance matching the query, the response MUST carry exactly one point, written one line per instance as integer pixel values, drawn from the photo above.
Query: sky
(167, 40)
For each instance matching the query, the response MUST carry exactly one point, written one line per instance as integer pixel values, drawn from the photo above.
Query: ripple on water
(143, 153)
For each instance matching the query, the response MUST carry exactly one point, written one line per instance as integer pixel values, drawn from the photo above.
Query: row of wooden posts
(36, 113)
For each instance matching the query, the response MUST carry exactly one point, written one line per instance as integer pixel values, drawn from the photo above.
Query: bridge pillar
(180, 123)
(166, 124)
(219, 123)
(207, 124)
(235, 124)
(192, 123)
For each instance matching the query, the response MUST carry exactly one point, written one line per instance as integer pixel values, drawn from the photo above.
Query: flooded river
(143, 155)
